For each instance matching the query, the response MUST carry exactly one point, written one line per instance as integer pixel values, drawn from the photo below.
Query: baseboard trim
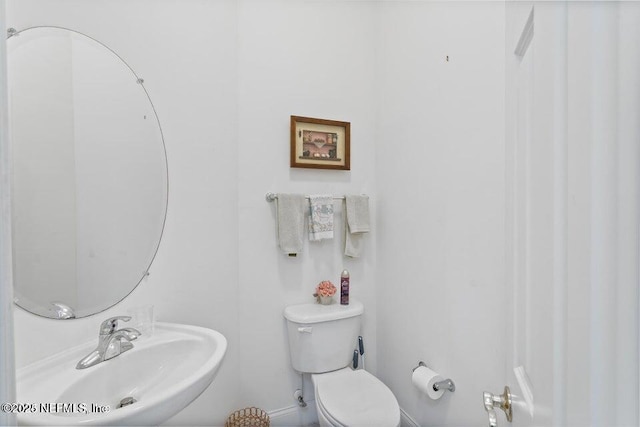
(291, 416)
(283, 412)
(294, 415)
(406, 420)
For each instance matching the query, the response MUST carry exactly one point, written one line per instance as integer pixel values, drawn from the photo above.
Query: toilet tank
(322, 337)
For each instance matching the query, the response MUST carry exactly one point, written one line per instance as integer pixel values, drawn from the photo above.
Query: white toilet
(322, 339)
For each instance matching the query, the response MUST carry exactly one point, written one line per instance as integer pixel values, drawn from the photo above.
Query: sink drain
(126, 402)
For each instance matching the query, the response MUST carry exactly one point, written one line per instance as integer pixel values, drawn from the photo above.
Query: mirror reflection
(89, 174)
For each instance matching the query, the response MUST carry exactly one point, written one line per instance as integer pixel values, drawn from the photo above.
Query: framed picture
(320, 143)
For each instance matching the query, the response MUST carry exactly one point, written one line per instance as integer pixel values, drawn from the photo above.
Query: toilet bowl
(322, 339)
(354, 398)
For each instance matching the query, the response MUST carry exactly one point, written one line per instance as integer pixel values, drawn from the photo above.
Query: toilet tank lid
(315, 313)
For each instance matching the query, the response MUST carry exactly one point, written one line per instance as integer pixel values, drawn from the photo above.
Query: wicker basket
(248, 417)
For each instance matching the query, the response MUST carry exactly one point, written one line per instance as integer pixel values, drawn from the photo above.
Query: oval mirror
(89, 179)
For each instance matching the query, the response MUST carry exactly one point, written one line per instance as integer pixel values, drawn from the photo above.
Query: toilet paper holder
(447, 384)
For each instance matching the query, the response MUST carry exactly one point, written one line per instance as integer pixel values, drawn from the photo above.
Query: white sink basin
(164, 373)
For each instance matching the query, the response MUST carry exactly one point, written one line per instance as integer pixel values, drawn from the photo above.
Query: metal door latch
(502, 401)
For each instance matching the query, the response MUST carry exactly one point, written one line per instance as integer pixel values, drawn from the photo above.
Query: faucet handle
(109, 326)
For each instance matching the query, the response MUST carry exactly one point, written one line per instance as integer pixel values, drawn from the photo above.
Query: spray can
(344, 288)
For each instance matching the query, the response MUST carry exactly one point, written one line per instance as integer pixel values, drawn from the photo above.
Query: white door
(532, 182)
(573, 185)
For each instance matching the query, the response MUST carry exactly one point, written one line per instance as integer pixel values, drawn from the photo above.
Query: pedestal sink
(161, 375)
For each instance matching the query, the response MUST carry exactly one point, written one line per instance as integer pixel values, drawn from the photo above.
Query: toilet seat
(355, 398)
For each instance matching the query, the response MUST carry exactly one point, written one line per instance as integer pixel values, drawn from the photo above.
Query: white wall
(185, 51)
(279, 44)
(440, 178)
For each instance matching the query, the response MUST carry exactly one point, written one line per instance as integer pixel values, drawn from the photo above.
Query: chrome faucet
(111, 342)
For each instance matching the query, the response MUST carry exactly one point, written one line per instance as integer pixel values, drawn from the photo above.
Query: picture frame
(320, 143)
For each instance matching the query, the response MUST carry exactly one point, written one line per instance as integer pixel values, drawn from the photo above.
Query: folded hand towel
(356, 213)
(290, 211)
(320, 217)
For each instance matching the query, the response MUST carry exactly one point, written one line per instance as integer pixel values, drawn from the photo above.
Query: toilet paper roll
(424, 378)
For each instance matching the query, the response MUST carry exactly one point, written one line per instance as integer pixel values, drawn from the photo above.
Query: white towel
(290, 210)
(356, 223)
(357, 213)
(320, 217)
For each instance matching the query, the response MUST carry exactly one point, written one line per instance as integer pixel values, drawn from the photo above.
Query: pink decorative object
(325, 289)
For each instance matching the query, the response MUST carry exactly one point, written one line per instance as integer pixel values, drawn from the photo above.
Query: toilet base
(355, 405)
(322, 420)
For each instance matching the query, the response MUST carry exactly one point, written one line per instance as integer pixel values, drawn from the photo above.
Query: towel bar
(270, 197)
